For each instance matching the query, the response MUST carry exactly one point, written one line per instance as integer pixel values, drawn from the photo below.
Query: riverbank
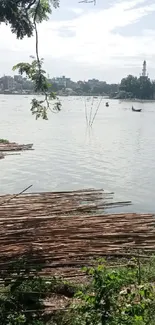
(136, 100)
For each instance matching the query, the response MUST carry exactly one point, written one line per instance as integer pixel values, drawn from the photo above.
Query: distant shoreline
(136, 100)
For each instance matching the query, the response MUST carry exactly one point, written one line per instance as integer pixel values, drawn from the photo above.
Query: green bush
(4, 141)
(116, 297)
(122, 295)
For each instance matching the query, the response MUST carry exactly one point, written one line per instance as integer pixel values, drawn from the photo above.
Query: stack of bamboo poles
(35, 225)
(57, 203)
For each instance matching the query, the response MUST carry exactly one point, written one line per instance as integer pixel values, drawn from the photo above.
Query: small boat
(136, 110)
(107, 104)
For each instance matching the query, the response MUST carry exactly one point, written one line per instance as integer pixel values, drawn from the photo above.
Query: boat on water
(136, 110)
(107, 104)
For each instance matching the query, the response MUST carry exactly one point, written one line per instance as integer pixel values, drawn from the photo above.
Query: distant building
(61, 81)
(18, 78)
(8, 83)
(144, 70)
(93, 82)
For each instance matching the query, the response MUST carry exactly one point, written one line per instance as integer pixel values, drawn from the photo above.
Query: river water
(117, 153)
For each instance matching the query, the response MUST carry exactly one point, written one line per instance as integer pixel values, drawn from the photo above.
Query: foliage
(38, 12)
(23, 17)
(4, 141)
(36, 74)
(19, 14)
(133, 87)
(115, 297)
(23, 292)
(96, 88)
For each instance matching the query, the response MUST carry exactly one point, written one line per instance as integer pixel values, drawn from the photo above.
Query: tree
(145, 88)
(133, 87)
(129, 85)
(85, 87)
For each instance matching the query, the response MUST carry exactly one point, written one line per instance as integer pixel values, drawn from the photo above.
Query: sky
(82, 41)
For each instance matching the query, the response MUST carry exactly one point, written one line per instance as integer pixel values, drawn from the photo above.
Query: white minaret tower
(144, 74)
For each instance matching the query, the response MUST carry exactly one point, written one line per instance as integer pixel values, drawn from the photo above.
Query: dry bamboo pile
(57, 203)
(64, 231)
(70, 242)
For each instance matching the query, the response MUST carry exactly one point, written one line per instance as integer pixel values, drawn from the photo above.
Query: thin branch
(91, 111)
(96, 111)
(16, 195)
(139, 269)
(37, 39)
(31, 4)
(86, 115)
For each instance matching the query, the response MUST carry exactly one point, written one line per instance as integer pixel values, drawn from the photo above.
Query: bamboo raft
(13, 146)
(65, 231)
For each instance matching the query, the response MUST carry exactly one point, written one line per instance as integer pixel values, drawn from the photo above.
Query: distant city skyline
(143, 70)
(61, 85)
(130, 87)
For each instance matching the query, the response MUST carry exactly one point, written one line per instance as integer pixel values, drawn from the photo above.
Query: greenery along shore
(111, 295)
(133, 87)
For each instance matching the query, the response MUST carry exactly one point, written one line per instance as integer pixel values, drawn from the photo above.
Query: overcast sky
(82, 41)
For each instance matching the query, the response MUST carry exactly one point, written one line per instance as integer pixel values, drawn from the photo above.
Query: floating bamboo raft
(13, 146)
(67, 230)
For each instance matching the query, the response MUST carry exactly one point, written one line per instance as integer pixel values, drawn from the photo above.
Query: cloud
(66, 32)
(90, 39)
(77, 11)
(95, 42)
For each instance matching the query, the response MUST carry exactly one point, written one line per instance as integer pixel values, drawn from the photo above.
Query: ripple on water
(117, 154)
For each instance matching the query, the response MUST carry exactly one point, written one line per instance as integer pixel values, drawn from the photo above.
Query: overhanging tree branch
(23, 16)
(34, 70)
